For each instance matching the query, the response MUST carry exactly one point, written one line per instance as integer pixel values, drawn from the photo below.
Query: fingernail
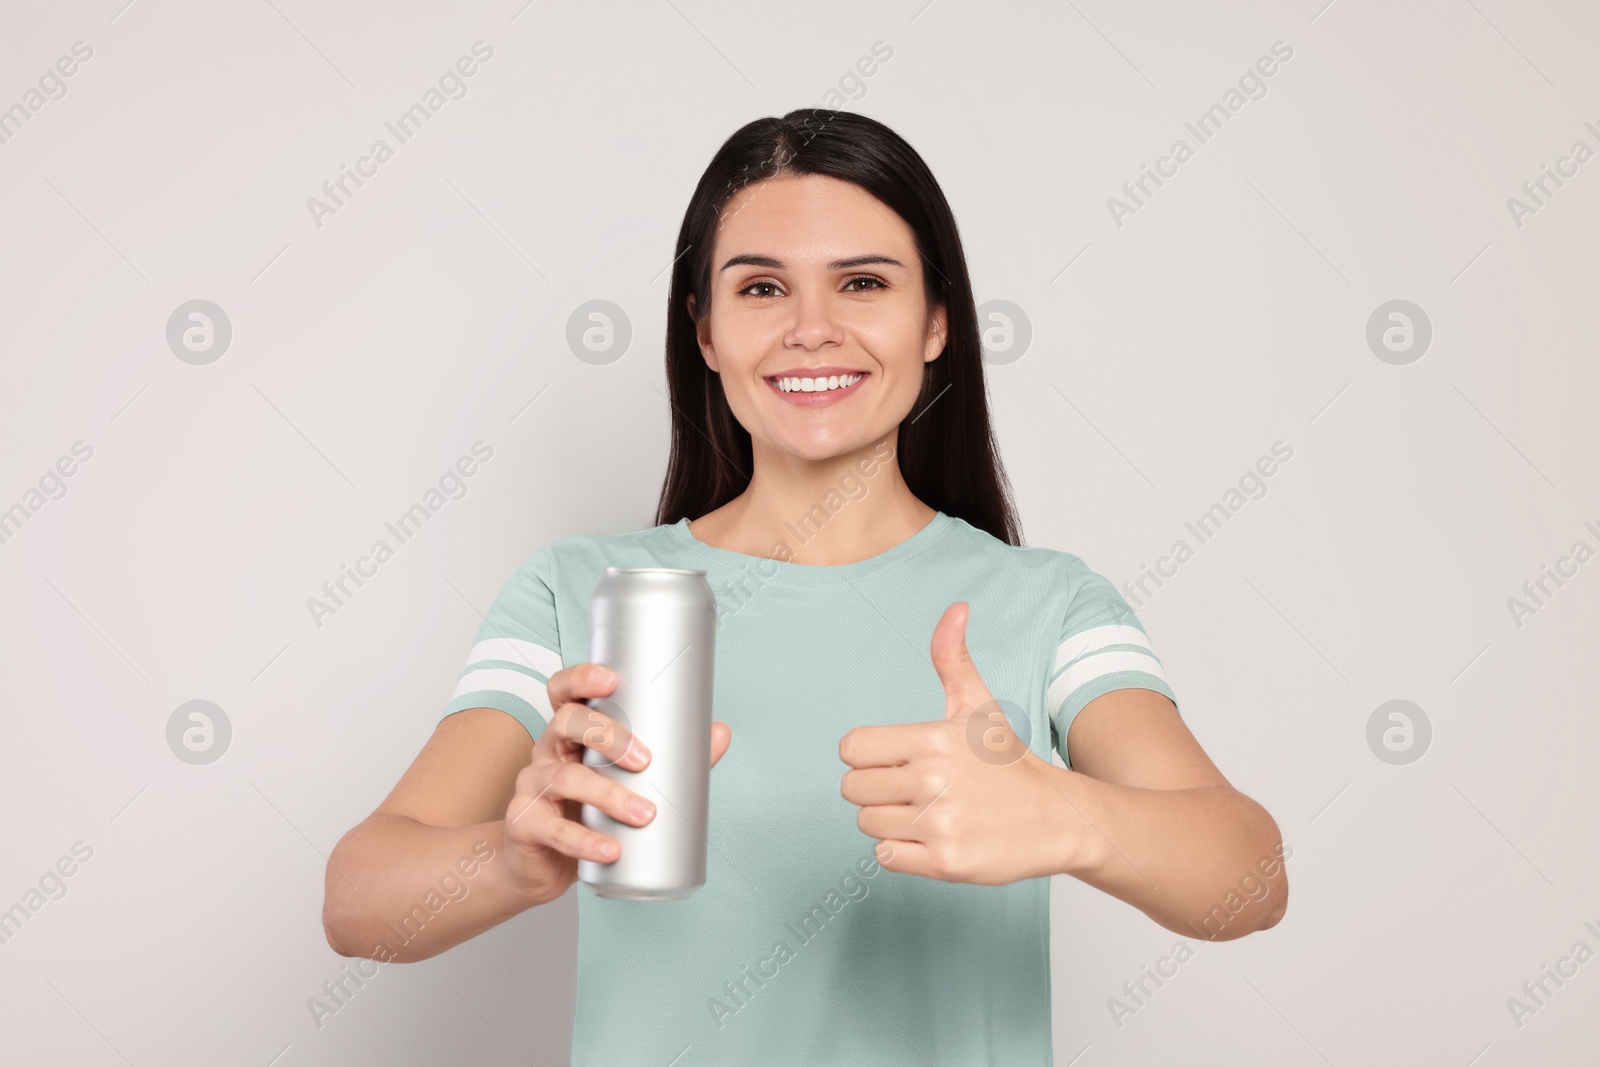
(636, 753)
(641, 807)
(605, 674)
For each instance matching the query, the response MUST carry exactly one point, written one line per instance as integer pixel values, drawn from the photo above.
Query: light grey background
(1167, 355)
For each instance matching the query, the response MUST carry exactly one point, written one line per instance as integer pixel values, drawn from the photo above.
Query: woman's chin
(821, 448)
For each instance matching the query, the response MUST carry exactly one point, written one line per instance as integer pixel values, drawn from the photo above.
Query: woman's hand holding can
(544, 838)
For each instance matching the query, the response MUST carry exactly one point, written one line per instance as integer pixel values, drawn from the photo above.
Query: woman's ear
(702, 335)
(936, 334)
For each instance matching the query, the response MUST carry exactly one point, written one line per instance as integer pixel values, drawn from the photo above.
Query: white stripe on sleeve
(1096, 666)
(513, 650)
(1098, 637)
(506, 680)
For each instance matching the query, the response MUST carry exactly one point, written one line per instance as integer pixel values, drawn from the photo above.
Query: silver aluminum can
(655, 627)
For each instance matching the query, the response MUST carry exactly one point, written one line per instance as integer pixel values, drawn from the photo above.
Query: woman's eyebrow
(839, 264)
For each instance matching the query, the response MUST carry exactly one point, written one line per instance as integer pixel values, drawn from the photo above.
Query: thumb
(964, 689)
(721, 738)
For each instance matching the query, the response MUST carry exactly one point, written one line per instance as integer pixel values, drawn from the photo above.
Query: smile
(817, 385)
(818, 391)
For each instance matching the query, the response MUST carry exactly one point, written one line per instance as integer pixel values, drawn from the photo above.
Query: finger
(721, 737)
(579, 681)
(528, 791)
(964, 688)
(581, 725)
(904, 857)
(885, 785)
(585, 785)
(543, 819)
(580, 684)
(537, 824)
(575, 839)
(898, 821)
(885, 746)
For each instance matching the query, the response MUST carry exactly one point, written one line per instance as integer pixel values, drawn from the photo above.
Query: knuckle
(535, 784)
(567, 777)
(519, 824)
(528, 788)
(599, 729)
(942, 861)
(564, 712)
(525, 820)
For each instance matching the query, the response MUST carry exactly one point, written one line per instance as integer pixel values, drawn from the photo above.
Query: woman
(895, 665)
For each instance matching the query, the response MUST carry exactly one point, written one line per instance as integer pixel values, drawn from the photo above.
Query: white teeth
(818, 385)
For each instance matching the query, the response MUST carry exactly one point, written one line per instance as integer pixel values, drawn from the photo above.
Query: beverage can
(655, 627)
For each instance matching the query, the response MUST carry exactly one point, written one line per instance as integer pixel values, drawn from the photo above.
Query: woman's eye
(872, 283)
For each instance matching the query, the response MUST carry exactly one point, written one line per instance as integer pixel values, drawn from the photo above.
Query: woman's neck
(849, 509)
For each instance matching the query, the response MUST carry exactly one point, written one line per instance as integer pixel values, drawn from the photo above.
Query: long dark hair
(947, 453)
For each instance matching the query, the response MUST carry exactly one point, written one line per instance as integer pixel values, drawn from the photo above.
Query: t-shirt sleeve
(1102, 647)
(516, 651)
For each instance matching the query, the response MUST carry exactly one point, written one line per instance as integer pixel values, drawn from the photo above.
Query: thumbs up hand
(962, 798)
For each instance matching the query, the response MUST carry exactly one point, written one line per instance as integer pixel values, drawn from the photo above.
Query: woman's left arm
(1146, 816)
(1143, 814)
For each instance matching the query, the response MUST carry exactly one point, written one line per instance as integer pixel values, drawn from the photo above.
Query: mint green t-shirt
(800, 949)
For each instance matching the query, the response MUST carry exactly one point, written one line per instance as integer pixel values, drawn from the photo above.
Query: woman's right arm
(479, 798)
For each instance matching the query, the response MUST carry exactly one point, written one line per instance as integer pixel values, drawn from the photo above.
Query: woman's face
(813, 276)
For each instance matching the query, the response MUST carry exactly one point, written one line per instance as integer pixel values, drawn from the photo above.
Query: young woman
(893, 670)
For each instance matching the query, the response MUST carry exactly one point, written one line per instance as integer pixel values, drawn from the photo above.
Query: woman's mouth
(816, 391)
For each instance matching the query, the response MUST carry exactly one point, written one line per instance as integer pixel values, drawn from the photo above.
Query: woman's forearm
(398, 890)
(1205, 862)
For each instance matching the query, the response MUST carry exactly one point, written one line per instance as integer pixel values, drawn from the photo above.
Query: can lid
(654, 570)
